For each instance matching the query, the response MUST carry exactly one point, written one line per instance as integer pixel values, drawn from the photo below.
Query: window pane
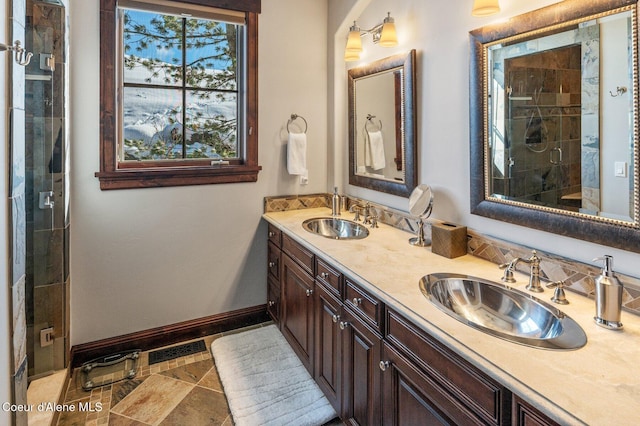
(152, 48)
(152, 124)
(212, 125)
(211, 54)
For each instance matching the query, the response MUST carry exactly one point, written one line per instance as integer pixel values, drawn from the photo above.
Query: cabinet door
(273, 261)
(526, 415)
(273, 299)
(411, 397)
(361, 371)
(297, 310)
(328, 349)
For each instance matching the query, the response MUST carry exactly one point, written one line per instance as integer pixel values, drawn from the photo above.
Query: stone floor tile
(153, 400)
(200, 407)
(191, 373)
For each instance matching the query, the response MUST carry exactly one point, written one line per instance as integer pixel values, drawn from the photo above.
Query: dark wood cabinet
(461, 391)
(273, 261)
(412, 397)
(361, 371)
(297, 310)
(524, 414)
(273, 299)
(328, 345)
(373, 364)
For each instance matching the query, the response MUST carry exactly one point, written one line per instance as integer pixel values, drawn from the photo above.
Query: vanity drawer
(275, 235)
(297, 252)
(368, 307)
(329, 277)
(273, 260)
(460, 379)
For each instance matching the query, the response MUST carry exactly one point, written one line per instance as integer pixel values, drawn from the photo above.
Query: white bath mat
(265, 382)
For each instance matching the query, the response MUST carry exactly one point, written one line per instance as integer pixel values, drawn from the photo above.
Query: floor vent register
(174, 352)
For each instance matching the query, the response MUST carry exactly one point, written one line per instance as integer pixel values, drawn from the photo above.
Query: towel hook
(619, 91)
(295, 117)
(22, 57)
(370, 120)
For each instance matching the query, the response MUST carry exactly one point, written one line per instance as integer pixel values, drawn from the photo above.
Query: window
(178, 93)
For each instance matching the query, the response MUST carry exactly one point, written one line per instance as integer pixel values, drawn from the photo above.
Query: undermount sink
(503, 311)
(335, 228)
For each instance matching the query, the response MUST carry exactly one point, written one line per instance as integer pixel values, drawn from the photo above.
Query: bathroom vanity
(382, 353)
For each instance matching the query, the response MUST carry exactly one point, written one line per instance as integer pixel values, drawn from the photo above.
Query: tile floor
(183, 391)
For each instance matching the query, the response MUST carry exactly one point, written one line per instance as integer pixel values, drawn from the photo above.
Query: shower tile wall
(47, 277)
(545, 131)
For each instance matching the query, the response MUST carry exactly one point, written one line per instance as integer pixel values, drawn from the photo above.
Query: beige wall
(135, 266)
(439, 32)
(151, 257)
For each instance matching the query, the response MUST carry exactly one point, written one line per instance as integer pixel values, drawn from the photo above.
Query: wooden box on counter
(448, 240)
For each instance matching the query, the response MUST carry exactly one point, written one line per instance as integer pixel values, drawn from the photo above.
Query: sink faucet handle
(356, 208)
(508, 270)
(558, 295)
(374, 221)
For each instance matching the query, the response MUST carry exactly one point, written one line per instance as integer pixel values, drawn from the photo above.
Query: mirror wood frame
(626, 237)
(407, 62)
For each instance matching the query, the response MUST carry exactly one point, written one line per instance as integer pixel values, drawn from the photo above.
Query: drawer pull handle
(343, 325)
(272, 264)
(336, 318)
(309, 292)
(384, 365)
(357, 301)
(272, 234)
(271, 303)
(324, 275)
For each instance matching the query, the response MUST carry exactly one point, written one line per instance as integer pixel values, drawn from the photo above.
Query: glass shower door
(47, 219)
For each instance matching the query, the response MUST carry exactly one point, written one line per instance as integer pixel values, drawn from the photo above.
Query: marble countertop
(598, 384)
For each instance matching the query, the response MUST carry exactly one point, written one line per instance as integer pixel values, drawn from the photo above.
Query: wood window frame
(112, 176)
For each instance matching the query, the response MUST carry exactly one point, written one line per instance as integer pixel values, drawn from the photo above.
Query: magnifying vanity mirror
(421, 205)
(382, 126)
(554, 121)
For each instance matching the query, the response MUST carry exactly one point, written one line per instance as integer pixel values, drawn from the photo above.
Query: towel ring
(370, 120)
(295, 117)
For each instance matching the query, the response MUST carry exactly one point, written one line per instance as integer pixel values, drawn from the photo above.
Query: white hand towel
(374, 152)
(297, 154)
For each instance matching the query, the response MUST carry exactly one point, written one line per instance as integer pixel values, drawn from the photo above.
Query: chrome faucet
(357, 209)
(367, 214)
(534, 275)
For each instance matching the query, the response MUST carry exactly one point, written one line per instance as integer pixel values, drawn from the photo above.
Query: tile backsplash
(578, 276)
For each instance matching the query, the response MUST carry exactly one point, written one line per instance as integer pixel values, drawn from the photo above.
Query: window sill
(154, 178)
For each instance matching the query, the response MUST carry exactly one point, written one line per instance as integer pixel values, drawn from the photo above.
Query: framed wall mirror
(554, 121)
(382, 125)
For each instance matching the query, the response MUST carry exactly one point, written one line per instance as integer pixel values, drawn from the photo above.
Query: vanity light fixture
(485, 7)
(383, 34)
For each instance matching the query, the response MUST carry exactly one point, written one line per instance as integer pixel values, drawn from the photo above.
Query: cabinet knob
(384, 365)
(336, 318)
(309, 292)
(271, 234)
(343, 325)
(271, 303)
(272, 264)
(357, 301)
(324, 275)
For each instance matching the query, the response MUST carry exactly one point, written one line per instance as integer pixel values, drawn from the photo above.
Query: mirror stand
(420, 241)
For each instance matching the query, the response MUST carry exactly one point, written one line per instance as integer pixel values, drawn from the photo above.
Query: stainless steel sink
(503, 311)
(336, 228)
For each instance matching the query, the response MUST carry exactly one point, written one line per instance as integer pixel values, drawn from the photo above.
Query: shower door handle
(555, 156)
(46, 200)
